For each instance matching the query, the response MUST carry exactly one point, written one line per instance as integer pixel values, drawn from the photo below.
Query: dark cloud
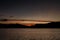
(31, 9)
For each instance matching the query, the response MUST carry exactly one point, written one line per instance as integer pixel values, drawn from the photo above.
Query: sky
(30, 9)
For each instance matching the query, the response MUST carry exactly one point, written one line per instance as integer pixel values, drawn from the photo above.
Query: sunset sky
(30, 9)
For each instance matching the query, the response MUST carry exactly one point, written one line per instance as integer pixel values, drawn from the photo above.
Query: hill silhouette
(49, 25)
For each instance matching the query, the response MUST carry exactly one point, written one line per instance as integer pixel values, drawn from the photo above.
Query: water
(30, 34)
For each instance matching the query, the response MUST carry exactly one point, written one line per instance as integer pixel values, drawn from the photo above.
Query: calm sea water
(30, 34)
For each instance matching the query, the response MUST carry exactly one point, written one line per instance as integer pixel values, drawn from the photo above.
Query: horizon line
(27, 20)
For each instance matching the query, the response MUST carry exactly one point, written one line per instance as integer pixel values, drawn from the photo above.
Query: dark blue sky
(30, 9)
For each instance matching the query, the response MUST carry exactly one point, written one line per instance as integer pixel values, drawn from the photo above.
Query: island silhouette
(51, 24)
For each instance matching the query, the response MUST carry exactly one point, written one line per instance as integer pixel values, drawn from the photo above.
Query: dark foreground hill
(49, 25)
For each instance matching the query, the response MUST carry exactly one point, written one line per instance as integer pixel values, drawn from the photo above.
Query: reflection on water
(30, 34)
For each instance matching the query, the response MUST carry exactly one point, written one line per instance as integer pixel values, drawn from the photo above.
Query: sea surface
(30, 34)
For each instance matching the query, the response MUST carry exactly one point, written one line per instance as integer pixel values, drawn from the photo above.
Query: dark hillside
(49, 25)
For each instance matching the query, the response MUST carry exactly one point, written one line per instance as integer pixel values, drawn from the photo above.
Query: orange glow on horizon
(30, 24)
(26, 23)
